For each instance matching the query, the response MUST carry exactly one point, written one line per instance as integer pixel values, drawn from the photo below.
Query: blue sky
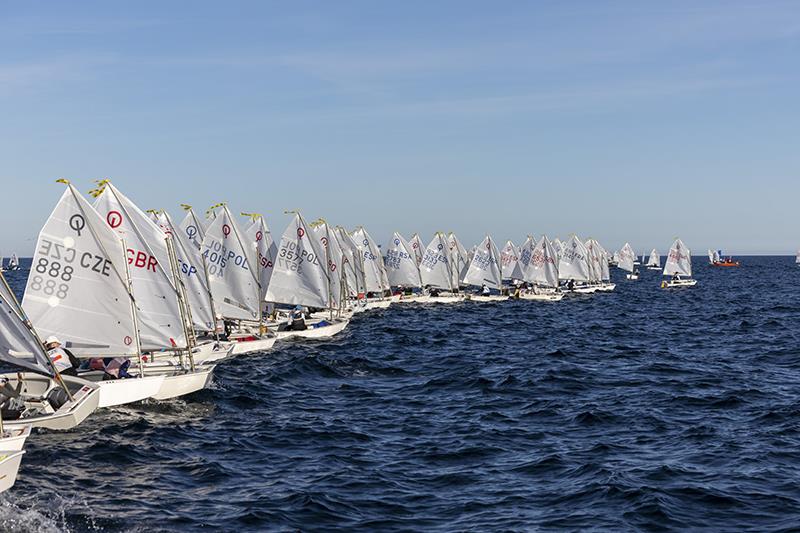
(626, 121)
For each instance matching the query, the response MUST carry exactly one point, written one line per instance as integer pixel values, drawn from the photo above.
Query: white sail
(509, 257)
(594, 258)
(543, 269)
(654, 260)
(230, 258)
(626, 257)
(374, 271)
(18, 345)
(333, 256)
(192, 269)
(401, 263)
(485, 266)
(353, 266)
(78, 288)
(159, 312)
(13, 263)
(717, 256)
(574, 261)
(525, 257)
(265, 250)
(459, 259)
(417, 247)
(300, 276)
(558, 246)
(711, 256)
(435, 266)
(193, 228)
(679, 260)
(797, 259)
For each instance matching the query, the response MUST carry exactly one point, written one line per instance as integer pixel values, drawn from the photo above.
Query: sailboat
(353, 266)
(574, 268)
(539, 263)
(485, 269)
(797, 258)
(79, 290)
(654, 261)
(402, 269)
(678, 264)
(435, 271)
(717, 259)
(13, 263)
(626, 257)
(459, 259)
(598, 266)
(193, 270)
(509, 257)
(234, 274)
(35, 395)
(301, 277)
(377, 284)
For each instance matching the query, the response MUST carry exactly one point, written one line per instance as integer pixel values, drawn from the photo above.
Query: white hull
(632, 277)
(414, 298)
(9, 466)
(584, 289)
(14, 439)
(183, 383)
(378, 303)
(316, 333)
(551, 297)
(490, 298)
(676, 284)
(128, 390)
(258, 345)
(445, 299)
(85, 394)
(211, 351)
(606, 287)
(654, 267)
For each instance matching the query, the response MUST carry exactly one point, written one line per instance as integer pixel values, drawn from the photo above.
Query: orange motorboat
(726, 263)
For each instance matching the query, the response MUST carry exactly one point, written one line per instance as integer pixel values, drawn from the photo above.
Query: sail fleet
(162, 303)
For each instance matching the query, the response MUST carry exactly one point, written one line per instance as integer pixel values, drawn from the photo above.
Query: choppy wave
(642, 409)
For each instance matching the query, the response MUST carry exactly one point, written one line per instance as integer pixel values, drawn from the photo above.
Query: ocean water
(642, 409)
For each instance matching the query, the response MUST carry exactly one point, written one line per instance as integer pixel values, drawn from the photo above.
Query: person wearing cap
(64, 361)
(297, 320)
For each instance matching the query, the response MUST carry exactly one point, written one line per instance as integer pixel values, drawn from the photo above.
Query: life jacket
(60, 359)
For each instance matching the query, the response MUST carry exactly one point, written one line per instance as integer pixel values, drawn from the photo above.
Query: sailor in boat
(675, 277)
(297, 320)
(571, 284)
(485, 291)
(64, 361)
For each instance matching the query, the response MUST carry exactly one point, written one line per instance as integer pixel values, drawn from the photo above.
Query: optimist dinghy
(679, 266)
(654, 261)
(307, 273)
(625, 261)
(436, 273)
(538, 262)
(37, 396)
(574, 268)
(485, 271)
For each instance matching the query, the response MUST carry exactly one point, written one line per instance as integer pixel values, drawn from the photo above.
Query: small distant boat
(715, 258)
(13, 263)
(626, 261)
(679, 266)
(654, 261)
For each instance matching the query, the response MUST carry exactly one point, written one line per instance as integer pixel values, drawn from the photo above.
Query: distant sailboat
(485, 271)
(626, 258)
(654, 261)
(13, 263)
(678, 266)
(435, 271)
(715, 258)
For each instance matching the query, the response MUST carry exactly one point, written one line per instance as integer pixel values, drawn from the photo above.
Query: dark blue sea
(638, 410)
